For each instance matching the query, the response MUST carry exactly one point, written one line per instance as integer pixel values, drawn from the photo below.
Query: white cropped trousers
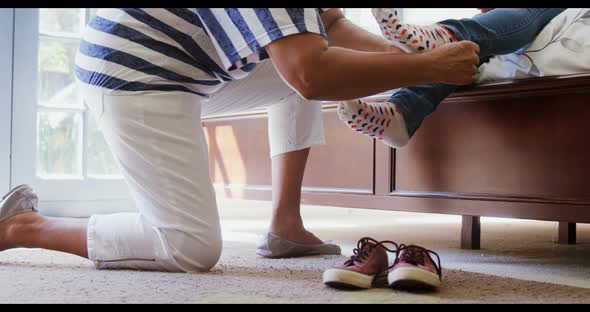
(158, 142)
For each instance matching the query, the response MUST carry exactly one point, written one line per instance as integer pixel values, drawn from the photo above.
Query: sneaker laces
(415, 255)
(364, 248)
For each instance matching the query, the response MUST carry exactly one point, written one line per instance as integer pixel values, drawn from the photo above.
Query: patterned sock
(383, 121)
(416, 38)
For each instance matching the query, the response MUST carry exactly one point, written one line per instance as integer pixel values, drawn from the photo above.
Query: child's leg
(502, 31)
(382, 121)
(499, 31)
(415, 37)
(417, 102)
(395, 121)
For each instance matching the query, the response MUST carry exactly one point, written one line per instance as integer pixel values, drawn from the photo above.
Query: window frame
(68, 196)
(6, 57)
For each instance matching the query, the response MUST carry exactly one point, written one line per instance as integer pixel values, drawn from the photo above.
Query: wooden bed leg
(470, 232)
(566, 233)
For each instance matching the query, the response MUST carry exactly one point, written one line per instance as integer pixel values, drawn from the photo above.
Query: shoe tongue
(368, 246)
(414, 249)
(365, 247)
(413, 255)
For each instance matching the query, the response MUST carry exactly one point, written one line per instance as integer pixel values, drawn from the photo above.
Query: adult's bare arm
(343, 33)
(319, 72)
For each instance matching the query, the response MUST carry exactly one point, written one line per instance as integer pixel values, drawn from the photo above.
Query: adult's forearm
(344, 33)
(346, 74)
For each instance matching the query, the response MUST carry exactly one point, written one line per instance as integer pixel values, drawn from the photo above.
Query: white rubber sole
(345, 278)
(412, 277)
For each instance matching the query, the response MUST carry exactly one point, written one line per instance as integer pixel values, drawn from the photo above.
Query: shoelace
(415, 255)
(363, 249)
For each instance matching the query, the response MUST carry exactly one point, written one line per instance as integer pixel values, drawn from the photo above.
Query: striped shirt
(191, 50)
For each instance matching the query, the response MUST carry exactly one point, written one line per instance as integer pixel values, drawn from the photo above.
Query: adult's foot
(17, 209)
(15, 228)
(273, 246)
(294, 241)
(295, 233)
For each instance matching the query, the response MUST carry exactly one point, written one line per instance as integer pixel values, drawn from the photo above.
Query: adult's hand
(457, 61)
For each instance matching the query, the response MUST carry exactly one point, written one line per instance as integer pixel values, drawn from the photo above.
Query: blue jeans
(498, 32)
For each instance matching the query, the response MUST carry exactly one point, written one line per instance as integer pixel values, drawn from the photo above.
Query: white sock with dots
(416, 38)
(382, 121)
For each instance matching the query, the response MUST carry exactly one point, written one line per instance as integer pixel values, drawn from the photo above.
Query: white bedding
(562, 47)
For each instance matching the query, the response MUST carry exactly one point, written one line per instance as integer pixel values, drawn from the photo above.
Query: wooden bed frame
(516, 149)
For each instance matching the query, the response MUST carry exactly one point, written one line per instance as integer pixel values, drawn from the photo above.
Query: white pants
(159, 144)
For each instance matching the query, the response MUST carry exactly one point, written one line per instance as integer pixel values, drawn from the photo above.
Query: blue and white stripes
(191, 50)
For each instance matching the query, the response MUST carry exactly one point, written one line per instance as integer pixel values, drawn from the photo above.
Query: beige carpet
(518, 264)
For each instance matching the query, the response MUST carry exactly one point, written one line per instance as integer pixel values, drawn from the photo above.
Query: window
(56, 144)
(363, 18)
(429, 16)
(6, 56)
(69, 145)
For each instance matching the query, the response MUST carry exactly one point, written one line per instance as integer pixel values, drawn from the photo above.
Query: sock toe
(380, 13)
(376, 121)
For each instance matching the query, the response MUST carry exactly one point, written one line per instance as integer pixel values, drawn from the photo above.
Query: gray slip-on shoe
(272, 246)
(19, 200)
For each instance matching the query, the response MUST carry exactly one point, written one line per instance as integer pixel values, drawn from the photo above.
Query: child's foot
(383, 121)
(416, 38)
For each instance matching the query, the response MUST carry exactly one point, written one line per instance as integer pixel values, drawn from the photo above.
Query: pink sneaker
(364, 266)
(414, 268)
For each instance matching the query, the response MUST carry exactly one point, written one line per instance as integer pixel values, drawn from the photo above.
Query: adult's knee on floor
(193, 251)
